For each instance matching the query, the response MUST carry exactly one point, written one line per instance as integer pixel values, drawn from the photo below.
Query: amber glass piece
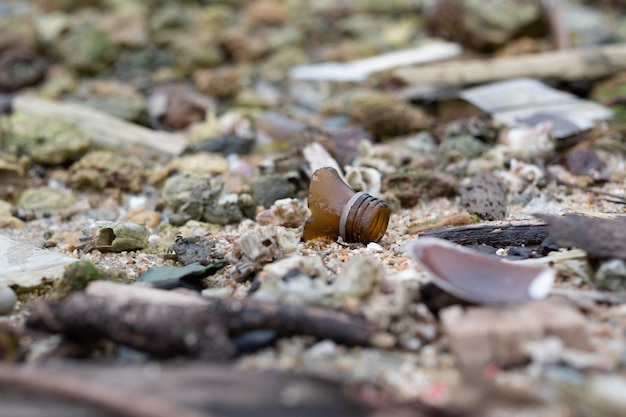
(337, 210)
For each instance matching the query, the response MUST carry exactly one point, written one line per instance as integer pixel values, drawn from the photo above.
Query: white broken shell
(479, 278)
(113, 237)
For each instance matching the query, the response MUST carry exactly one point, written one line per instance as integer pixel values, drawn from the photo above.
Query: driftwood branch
(240, 316)
(163, 330)
(496, 234)
(190, 389)
(83, 390)
(185, 324)
(106, 130)
(572, 64)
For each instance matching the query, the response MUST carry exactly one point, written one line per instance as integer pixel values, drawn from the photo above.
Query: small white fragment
(374, 247)
(359, 70)
(542, 284)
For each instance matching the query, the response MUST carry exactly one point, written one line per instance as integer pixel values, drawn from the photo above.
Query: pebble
(8, 299)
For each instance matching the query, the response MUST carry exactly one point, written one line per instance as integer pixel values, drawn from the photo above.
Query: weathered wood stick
(138, 315)
(240, 316)
(163, 330)
(496, 234)
(572, 64)
(106, 130)
(104, 397)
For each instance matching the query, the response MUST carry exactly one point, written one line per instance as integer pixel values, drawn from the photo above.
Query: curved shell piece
(479, 278)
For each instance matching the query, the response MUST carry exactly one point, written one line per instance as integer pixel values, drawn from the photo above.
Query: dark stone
(269, 188)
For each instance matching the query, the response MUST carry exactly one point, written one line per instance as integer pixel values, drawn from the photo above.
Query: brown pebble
(146, 218)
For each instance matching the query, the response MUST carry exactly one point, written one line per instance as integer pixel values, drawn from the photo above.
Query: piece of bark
(571, 65)
(498, 234)
(106, 130)
(161, 390)
(484, 195)
(240, 316)
(480, 336)
(600, 237)
(236, 316)
(163, 330)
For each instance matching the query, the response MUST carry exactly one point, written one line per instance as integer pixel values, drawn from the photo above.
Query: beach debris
(47, 140)
(524, 101)
(197, 249)
(101, 169)
(481, 335)
(107, 236)
(24, 265)
(479, 278)
(189, 276)
(484, 195)
(600, 237)
(359, 70)
(339, 211)
(466, 21)
(8, 299)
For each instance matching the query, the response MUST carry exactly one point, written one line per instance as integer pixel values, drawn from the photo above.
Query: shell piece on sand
(24, 265)
(479, 278)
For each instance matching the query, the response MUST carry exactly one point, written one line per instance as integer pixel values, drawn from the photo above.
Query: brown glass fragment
(337, 210)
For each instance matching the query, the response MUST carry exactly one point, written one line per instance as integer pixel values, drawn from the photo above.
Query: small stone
(269, 188)
(485, 195)
(456, 148)
(611, 276)
(46, 200)
(480, 335)
(101, 169)
(87, 49)
(77, 276)
(113, 97)
(358, 279)
(197, 249)
(8, 299)
(47, 140)
(148, 218)
(295, 280)
(386, 116)
(224, 144)
(7, 220)
(287, 212)
(587, 162)
(412, 186)
(221, 83)
(267, 12)
(485, 24)
(12, 175)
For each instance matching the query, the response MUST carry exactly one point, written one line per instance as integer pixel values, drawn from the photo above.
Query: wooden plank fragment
(481, 335)
(106, 130)
(163, 390)
(569, 64)
(495, 233)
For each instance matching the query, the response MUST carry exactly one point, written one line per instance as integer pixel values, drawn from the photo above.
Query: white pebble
(7, 300)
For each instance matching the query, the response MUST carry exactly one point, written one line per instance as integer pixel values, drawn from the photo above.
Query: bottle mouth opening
(364, 219)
